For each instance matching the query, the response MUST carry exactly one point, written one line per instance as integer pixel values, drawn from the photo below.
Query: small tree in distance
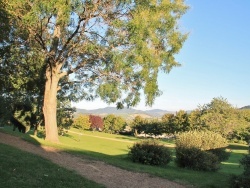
(137, 125)
(82, 122)
(96, 122)
(113, 124)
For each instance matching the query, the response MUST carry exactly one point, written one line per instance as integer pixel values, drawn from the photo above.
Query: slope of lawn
(22, 169)
(113, 149)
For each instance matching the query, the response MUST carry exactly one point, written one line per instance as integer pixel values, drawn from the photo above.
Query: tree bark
(50, 105)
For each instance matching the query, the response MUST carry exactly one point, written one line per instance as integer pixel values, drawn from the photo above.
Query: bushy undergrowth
(200, 150)
(221, 153)
(150, 152)
(196, 159)
(203, 140)
(243, 180)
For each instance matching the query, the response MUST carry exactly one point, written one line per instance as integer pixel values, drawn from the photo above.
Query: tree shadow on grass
(238, 147)
(128, 138)
(171, 171)
(24, 169)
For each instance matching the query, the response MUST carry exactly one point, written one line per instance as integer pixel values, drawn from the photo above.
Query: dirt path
(100, 172)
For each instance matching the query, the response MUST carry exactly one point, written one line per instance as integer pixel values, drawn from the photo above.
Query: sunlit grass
(113, 149)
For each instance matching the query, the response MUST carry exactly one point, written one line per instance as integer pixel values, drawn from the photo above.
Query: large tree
(112, 49)
(220, 116)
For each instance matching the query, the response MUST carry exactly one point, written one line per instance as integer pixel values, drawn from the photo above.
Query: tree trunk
(36, 128)
(136, 134)
(50, 105)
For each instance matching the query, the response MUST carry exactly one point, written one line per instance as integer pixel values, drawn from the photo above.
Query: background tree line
(218, 116)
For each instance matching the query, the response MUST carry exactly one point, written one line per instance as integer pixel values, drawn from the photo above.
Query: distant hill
(245, 107)
(127, 113)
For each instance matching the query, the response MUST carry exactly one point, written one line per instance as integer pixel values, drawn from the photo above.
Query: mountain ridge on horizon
(129, 111)
(125, 112)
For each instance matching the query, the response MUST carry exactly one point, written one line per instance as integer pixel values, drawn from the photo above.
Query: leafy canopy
(108, 49)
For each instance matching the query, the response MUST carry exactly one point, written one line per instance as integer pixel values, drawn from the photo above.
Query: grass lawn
(22, 169)
(113, 149)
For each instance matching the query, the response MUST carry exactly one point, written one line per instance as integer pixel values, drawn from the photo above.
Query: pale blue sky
(215, 58)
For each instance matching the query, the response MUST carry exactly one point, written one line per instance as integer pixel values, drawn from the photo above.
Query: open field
(113, 149)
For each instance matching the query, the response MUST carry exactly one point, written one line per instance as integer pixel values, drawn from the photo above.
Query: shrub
(245, 162)
(221, 153)
(203, 140)
(242, 180)
(150, 152)
(82, 122)
(196, 159)
(200, 150)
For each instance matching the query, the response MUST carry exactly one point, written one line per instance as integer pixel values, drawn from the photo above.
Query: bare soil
(100, 172)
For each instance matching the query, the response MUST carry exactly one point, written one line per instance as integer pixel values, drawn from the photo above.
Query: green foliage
(201, 150)
(242, 180)
(168, 121)
(148, 126)
(239, 181)
(114, 49)
(196, 159)
(153, 127)
(82, 122)
(150, 152)
(137, 125)
(220, 116)
(242, 133)
(221, 153)
(240, 136)
(245, 113)
(126, 61)
(245, 162)
(203, 140)
(64, 114)
(175, 123)
(5, 25)
(181, 121)
(99, 146)
(217, 116)
(113, 124)
(195, 121)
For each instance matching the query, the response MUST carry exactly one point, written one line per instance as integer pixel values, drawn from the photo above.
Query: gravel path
(100, 172)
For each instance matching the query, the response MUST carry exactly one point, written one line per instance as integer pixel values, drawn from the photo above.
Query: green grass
(113, 149)
(22, 169)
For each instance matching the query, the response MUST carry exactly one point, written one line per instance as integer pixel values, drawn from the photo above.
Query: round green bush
(150, 152)
(201, 150)
(221, 153)
(196, 159)
(203, 140)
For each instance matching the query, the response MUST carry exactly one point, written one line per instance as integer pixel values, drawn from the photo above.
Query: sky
(215, 59)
